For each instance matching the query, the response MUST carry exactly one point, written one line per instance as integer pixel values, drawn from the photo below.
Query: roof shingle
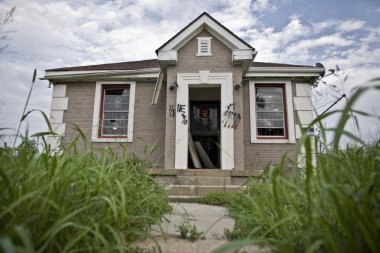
(130, 65)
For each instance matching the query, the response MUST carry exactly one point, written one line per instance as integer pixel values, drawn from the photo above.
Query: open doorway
(205, 125)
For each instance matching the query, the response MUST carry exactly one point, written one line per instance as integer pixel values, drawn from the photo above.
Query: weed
(216, 198)
(332, 206)
(232, 234)
(75, 201)
(187, 230)
(194, 234)
(184, 228)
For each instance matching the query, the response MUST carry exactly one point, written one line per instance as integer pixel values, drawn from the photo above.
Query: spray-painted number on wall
(182, 110)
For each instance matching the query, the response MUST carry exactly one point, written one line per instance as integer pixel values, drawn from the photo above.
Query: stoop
(192, 183)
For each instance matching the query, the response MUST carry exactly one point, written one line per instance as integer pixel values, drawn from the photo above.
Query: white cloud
(304, 46)
(350, 25)
(262, 5)
(339, 25)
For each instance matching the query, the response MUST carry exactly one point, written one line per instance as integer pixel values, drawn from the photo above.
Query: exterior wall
(188, 62)
(259, 155)
(149, 123)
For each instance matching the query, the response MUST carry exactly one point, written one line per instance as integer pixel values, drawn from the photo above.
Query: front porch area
(191, 183)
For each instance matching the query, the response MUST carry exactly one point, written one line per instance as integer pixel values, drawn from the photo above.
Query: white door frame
(203, 79)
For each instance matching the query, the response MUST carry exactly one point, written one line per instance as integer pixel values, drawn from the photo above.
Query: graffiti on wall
(231, 119)
(182, 110)
(171, 110)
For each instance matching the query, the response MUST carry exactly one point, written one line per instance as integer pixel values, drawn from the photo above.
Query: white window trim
(289, 111)
(97, 105)
(200, 39)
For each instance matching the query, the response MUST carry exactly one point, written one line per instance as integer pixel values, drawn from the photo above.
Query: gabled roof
(154, 63)
(212, 25)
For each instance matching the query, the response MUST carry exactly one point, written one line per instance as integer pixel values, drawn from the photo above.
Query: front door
(205, 128)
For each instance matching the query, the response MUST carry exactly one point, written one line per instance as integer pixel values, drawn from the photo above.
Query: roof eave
(96, 74)
(284, 71)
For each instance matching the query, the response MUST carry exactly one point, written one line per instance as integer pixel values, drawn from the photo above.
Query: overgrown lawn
(75, 201)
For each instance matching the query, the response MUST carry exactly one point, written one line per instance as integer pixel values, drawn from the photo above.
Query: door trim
(203, 78)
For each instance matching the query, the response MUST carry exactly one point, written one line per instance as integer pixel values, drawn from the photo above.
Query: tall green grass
(333, 206)
(75, 201)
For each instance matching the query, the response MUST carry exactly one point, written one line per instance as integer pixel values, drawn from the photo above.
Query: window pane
(115, 111)
(270, 123)
(270, 111)
(270, 132)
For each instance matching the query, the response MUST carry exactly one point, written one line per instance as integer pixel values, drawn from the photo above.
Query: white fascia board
(143, 73)
(212, 26)
(290, 74)
(283, 71)
(242, 54)
(167, 55)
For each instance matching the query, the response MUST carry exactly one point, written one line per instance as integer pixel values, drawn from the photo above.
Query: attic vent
(204, 46)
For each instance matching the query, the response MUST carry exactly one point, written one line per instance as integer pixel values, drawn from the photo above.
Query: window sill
(203, 54)
(273, 141)
(110, 140)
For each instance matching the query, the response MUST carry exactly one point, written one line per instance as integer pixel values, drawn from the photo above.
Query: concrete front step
(203, 180)
(206, 172)
(194, 190)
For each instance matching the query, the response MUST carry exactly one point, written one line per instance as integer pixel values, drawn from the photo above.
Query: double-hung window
(113, 111)
(271, 111)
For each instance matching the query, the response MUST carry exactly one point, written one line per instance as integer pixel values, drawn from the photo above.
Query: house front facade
(203, 103)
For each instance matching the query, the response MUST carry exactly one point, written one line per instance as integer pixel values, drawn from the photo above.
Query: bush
(75, 201)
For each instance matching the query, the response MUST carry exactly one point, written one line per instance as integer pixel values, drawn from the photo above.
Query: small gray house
(204, 101)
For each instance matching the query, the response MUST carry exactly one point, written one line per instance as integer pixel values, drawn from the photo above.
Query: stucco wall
(188, 62)
(149, 121)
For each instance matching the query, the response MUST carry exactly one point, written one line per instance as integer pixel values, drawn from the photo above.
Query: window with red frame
(270, 111)
(114, 111)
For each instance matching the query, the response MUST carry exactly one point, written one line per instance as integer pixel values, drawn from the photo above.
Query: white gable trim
(210, 25)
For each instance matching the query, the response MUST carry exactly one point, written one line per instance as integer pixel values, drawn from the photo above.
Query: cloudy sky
(48, 34)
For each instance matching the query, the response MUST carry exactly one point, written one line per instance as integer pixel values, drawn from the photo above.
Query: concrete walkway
(210, 220)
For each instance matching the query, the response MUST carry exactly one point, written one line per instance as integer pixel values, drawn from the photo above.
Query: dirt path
(210, 220)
